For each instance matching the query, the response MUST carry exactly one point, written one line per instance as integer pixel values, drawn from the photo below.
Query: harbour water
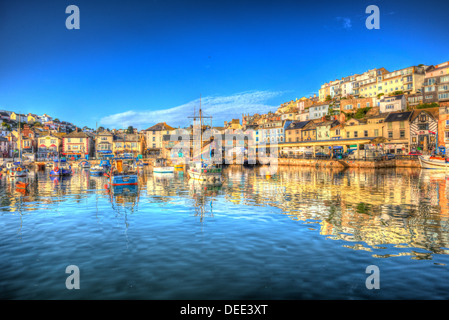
(302, 233)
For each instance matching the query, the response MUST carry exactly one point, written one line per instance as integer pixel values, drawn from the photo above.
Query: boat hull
(163, 169)
(124, 180)
(427, 163)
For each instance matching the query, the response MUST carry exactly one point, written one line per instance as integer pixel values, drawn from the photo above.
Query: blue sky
(141, 62)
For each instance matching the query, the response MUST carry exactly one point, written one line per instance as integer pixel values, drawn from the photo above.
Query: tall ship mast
(199, 169)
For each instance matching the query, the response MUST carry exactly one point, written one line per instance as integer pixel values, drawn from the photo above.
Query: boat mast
(201, 132)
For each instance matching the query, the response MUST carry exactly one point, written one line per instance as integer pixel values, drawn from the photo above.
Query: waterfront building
(48, 146)
(124, 143)
(273, 131)
(436, 83)
(397, 132)
(423, 130)
(4, 147)
(77, 145)
(393, 103)
(153, 137)
(103, 143)
(323, 129)
(293, 131)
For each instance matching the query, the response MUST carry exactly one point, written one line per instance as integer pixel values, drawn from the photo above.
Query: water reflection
(372, 210)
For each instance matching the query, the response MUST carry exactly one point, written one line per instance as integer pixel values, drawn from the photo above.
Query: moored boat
(428, 162)
(96, 170)
(61, 168)
(160, 166)
(122, 173)
(16, 170)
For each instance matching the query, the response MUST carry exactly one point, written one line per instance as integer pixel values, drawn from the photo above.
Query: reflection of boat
(428, 162)
(21, 185)
(62, 170)
(96, 170)
(122, 173)
(84, 164)
(160, 166)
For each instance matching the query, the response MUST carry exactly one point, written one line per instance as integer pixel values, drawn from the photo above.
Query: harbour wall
(322, 163)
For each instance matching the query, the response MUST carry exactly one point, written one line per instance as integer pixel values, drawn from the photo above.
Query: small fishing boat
(61, 168)
(84, 164)
(160, 166)
(205, 173)
(432, 162)
(16, 170)
(122, 173)
(96, 170)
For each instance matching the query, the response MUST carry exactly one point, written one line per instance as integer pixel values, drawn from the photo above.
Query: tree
(100, 129)
(379, 95)
(56, 120)
(37, 124)
(328, 98)
(130, 130)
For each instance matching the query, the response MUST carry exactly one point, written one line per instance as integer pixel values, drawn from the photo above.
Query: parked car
(414, 153)
(389, 156)
(321, 155)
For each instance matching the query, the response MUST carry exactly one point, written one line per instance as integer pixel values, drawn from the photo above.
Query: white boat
(96, 170)
(428, 162)
(160, 166)
(205, 173)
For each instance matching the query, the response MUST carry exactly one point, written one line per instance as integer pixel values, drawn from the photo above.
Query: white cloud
(221, 108)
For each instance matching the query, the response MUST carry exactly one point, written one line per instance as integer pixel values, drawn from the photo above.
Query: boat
(160, 166)
(96, 170)
(84, 164)
(49, 165)
(201, 168)
(122, 173)
(432, 162)
(17, 170)
(61, 168)
(106, 164)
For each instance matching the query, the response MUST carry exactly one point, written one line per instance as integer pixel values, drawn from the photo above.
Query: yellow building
(409, 80)
(128, 144)
(153, 137)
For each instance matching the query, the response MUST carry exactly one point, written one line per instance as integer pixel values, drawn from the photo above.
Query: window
(376, 132)
(356, 134)
(347, 134)
(402, 133)
(446, 135)
(367, 104)
(423, 126)
(390, 134)
(443, 88)
(365, 133)
(443, 96)
(390, 125)
(429, 89)
(337, 132)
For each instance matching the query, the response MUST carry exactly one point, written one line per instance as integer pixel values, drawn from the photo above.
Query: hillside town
(401, 112)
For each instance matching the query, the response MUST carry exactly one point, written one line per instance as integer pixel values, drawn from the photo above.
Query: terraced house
(154, 136)
(397, 132)
(436, 84)
(77, 145)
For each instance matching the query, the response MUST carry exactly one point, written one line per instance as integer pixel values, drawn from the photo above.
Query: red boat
(21, 185)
